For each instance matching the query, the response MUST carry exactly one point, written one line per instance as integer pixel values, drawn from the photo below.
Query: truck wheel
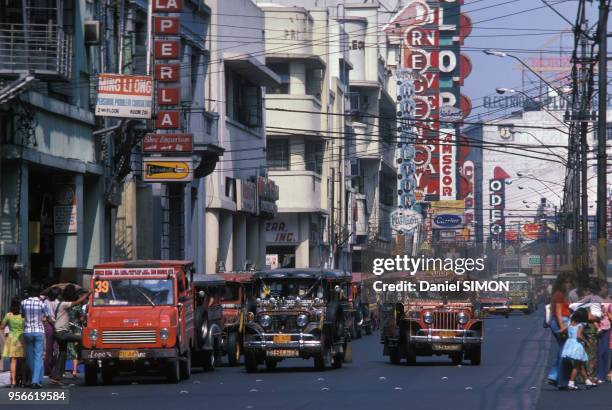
(475, 356)
(271, 364)
(410, 355)
(91, 374)
(250, 362)
(457, 358)
(185, 366)
(208, 360)
(107, 374)
(233, 349)
(173, 371)
(394, 355)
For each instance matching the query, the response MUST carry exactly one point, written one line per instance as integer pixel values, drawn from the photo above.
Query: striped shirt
(33, 310)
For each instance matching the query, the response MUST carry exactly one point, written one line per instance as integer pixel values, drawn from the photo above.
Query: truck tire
(394, 355)
(475, 356)
(208, 360)
(250, 362)
(410, 355)
(233, 349)
(457, 358)
(185, 366)
(91, 374)
(173, 371)
(107, 374)
(271, 364)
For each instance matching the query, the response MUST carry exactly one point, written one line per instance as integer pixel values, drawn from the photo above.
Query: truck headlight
(265, 321)
(164, 333)
(302, 320)
(462, 318)
(428, 318)
(93, 335)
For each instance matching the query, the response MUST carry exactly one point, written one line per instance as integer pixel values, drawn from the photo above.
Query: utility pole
(602, 183)
(585, 79)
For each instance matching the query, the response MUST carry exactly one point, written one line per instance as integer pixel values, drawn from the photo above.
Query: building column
(23, 212)
(297, 77)
(200, 227)
(252, 242)
(262, 243)
(212, 240)
(95, 225)
(302, 251)
(187, 223)
(226, 241)
(240, 239)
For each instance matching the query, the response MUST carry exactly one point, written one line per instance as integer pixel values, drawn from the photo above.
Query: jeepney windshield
(133, 292)
(519, 286)
(492, 295)
(449, 295)
(232, 291)
(290, 288)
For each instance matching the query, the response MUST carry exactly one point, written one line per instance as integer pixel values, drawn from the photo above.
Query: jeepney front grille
(129, 336)
(445, 320)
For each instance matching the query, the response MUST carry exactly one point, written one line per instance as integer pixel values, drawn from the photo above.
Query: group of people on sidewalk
(579, 319)
(43, 332)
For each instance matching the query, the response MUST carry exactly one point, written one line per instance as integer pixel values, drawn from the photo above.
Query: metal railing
(45, 50)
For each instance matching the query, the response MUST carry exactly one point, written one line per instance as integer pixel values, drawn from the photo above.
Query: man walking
(34, 311)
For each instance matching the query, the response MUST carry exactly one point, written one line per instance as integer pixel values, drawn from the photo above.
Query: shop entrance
(280, 257)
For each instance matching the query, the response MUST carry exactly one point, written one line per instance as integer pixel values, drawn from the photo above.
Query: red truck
(150, 314)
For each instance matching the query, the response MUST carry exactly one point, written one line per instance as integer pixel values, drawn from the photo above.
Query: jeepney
(142, 315)
(237, 300)
(521, 291)
(298, 313)
(209, 290)
(495, 303)
(428, 323)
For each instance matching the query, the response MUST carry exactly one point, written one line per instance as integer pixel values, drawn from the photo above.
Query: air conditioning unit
(91, 32)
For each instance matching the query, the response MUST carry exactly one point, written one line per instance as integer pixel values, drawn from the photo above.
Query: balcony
(299, 191)
(45, 50)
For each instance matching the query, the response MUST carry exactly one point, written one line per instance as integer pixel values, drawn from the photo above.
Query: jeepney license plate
(128, 354)
(449, 348)
(282, 353)
(492, 309)
(445, 335)
(282, 338)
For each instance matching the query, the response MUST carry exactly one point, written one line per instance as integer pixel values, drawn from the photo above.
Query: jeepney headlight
(302, 320)
(462, 318)
(265, 321)
(428, 318)
(164, 333)
(93, 335)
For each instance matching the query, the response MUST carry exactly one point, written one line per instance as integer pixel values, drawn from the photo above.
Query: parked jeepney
(427, 323)
(299, 313)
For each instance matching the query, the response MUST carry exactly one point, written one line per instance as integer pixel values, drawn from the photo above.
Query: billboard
(124, 96)
(167, 169)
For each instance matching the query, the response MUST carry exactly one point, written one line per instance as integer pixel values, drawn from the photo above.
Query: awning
(252, 69)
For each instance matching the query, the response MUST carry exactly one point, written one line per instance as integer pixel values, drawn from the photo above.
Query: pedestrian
(592, 302)
(73, 347)
(13, 344)
(559, 308)
(34, 312)
(63, 331)
(574, 350)
(602, 363)
(51, 301)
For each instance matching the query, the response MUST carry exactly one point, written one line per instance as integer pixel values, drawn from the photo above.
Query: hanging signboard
(405, 220)
(167, 169)
(167, 143)
(124, 96)
(65, 206)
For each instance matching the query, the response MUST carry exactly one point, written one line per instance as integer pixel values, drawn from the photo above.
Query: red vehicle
(495, 303)
(238, 288)
(148, 314)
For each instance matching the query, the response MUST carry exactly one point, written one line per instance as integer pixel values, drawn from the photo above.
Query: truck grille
(128, 336)
(445, 320)
(284, 323)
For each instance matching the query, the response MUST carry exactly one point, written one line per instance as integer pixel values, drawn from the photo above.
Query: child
(574, 350)
(13, 345)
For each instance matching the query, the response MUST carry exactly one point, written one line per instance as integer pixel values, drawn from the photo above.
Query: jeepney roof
(303, 273)
(240, 277)
(147, 263)
(204, 280)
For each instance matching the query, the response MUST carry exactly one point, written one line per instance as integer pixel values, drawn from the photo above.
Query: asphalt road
(510, 377)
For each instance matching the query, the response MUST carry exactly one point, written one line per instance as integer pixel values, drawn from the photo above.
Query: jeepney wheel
(107, 374)
(475, 356)
(185, 366)
(208, 360)
(323, 359)
(250, 362)
(173, 371)
(457, 358)
(91, 374)
(271, 364)
(394, 355)
(233, 349)
(411, 356)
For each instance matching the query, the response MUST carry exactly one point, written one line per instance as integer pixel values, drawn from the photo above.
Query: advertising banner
(124, 96)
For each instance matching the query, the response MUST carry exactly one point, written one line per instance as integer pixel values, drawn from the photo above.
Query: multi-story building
(53, 213)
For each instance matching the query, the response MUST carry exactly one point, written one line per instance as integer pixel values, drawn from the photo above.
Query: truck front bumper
(91, 355)
(303, 343)
(454, 337)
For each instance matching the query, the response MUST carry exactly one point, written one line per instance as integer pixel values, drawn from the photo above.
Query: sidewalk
(596, 398)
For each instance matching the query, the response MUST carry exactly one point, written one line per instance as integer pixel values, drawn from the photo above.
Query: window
(608, 131)
(282, 70)
(243, 100)
(314, 156)
(314, 81)
(277, 154)
(230, 188)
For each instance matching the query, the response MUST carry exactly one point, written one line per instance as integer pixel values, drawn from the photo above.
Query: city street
(510, 377)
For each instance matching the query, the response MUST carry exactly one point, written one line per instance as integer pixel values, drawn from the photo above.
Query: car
(495, 303)
(298, 313)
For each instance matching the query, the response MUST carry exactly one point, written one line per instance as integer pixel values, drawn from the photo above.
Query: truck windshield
(133, 292)
(290, 288)
(232, 291)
